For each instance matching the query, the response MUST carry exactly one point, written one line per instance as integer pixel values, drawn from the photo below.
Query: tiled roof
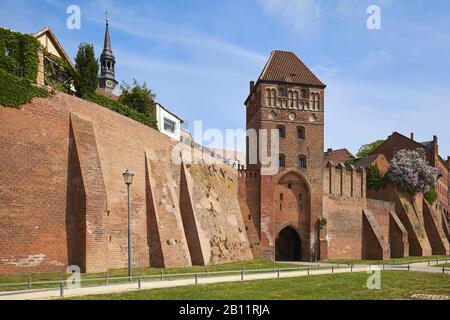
(338, 156)
(366, 162)
(428, 144)
(285, 66)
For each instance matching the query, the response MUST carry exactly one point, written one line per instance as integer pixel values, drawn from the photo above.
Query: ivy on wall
(19, 54)
(15, 91)
(58, 73)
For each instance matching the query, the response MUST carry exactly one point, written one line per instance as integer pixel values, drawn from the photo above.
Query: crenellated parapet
(248, 174)
(344, 180)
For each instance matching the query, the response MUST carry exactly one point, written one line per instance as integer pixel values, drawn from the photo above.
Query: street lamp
(128, 177)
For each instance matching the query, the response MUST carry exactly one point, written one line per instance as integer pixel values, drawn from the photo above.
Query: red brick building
(284, 208)
(338, 156)
(397, 141)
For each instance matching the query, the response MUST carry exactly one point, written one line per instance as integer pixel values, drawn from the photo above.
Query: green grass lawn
(350, 286)
(250, 265)
(389, 261)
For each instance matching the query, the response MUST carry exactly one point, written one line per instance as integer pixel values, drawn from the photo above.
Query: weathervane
(106, 14)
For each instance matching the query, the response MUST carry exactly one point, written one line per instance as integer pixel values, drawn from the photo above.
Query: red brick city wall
(344, 226)
(94, 203)
(381, 210)
(52, 210)
(433, 227)
(374, 245)
(33, 179)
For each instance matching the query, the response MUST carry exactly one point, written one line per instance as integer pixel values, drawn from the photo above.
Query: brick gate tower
(282, 210)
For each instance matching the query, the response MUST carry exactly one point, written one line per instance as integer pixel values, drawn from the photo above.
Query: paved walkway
(133, 286)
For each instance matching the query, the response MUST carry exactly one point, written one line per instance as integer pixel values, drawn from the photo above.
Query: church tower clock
(107, 64)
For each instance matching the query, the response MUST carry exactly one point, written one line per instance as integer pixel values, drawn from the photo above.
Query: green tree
(367, 149)
(374, 178)
(86, 71)
(140, 98)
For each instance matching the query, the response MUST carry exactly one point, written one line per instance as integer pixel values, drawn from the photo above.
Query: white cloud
(130, 20)
(302, 15)
(308, 15)
(375, 58)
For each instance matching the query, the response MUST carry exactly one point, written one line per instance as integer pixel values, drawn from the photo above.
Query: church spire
(107, 43)
(107, 74)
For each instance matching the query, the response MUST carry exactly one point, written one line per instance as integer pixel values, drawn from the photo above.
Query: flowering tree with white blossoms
(409, 171)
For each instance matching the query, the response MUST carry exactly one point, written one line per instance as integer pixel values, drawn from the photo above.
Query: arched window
(302, 161)
(301, 133)
(295, 99)
(290, 99)
(281, 131)
(303, 94)
(271, 97)
(317, 101)
(306, 106)
(282, 159)
(314, 97)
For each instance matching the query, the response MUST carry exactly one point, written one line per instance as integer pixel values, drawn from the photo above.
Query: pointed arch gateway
(288, 245)
(292, 217)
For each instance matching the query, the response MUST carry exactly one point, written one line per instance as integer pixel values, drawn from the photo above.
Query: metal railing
(107, 280)
(138, 280)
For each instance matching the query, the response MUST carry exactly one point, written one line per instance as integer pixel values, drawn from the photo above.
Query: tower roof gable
(285, 66)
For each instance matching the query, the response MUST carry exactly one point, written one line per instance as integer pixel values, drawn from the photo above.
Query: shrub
(139, 98)
(374, 178)
(431, 196)
(19, 54)
(410, 171)
(121, 109)
(86, 71)
(15, 91)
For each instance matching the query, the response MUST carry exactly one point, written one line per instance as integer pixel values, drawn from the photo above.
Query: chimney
(435, 151)
(412, 135)
(252, 86)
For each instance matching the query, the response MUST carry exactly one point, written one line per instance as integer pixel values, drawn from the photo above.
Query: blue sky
(199, 56)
